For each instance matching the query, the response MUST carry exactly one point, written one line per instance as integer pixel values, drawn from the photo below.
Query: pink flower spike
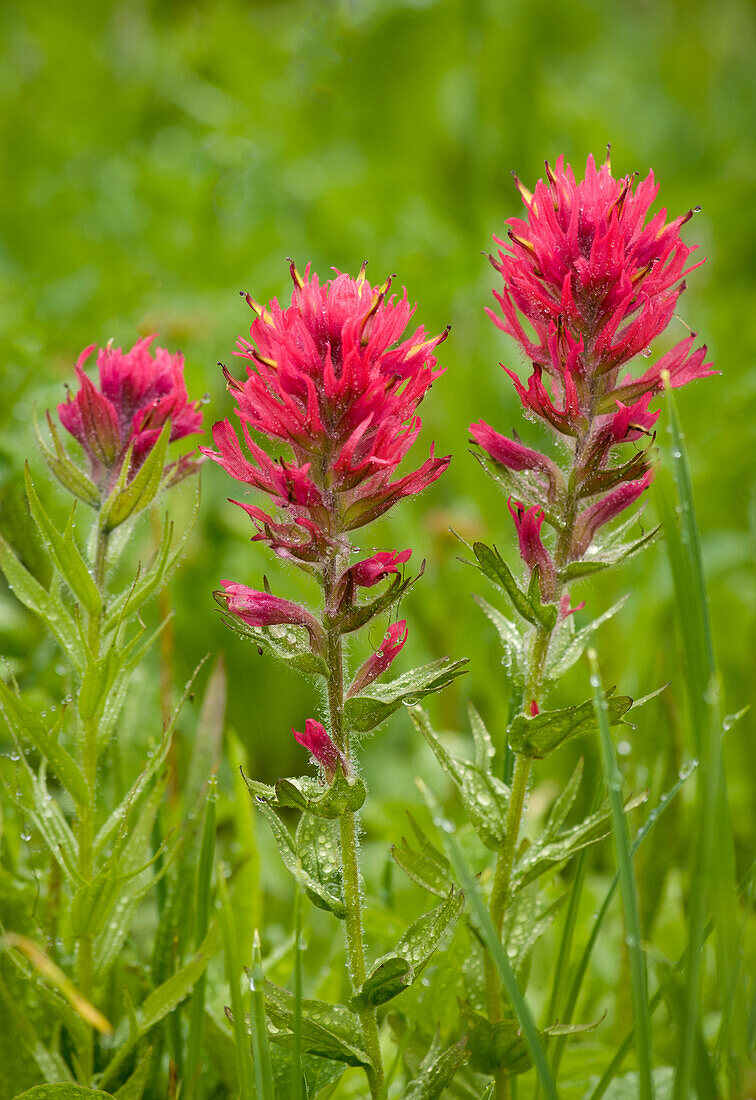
(370, 571)
(615, 502)
(261, 609)
(528, 523)
(515, 456)
(376, 665)
(321, 747)
(138, 393)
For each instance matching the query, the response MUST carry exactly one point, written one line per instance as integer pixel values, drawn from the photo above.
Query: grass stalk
(234, 977)
(492, 941)
(712, 880)
(628, 890)
(192, 1064)
(296, 1054)
(260, 1045)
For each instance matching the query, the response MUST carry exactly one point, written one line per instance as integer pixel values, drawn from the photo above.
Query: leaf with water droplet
(424, 864)
(538, 735)
(398, 969)
(485, 797)
(378, 702)
(330, 1031)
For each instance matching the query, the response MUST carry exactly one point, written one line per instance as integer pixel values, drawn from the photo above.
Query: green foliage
(378, 702)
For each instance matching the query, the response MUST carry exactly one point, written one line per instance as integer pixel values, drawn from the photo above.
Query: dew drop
(624, 748)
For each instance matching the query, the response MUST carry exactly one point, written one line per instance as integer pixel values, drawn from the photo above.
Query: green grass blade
(234, 976)
(296, 1054)
(566, 1015)
(712, 880)
(627, 884)
(467, 881)
(622, 1050)
(204, 889)
(260, 1047)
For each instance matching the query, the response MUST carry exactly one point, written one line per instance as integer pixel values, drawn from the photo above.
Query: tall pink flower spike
(597, 280)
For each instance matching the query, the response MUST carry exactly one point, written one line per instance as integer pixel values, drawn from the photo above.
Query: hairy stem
(355, 939)
(500, 893)
(86, 813)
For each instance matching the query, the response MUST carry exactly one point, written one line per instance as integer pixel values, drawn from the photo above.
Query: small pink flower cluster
(596, 282)
(332, 378)
(138, 393)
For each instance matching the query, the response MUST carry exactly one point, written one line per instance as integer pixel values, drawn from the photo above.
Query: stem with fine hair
(355, 939)
(86, 813)
(500, 893)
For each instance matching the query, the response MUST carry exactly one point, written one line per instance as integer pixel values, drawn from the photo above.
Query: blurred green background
(161, 157)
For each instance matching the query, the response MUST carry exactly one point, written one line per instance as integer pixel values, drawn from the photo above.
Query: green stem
(86, 813)
(355, 939)
(500, 893)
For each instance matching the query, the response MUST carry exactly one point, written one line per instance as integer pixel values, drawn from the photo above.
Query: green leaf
(588, 567)
(628, 889)
(398, 969)
(125, 499)
(494, 1046)
(133, 1088)
(529, 605)
(51, 611)
(208, 739)
(287, 643)
(425, 865)
(547, 851)
(61, 1092)
(69, 475)
(99, 676)
(162, 1000)
(64, 551)
(538, 735)
(330, 1031)
(325, 894)
(32, 796)
(379, 701)
(436, 1071)
(344, 795)
(511, 640)
(25, 723)
(568, 645)
(484, 796)
(493, 943)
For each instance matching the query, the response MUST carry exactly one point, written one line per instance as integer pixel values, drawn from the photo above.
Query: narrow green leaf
(402, 966)
(538, 735)
(54, 615)
(379, 701)
(436, 1074)
(133, 1088)
(713, 879)
(162, 1000)
(485, 798)
(126, 499)
(202, 897)
(260, 1047)
(493, 566)
(613, 778)
(64, 551)
(234, 977)
(25, 723)
(206, 748)
(425, 865)
(69, 475)
(488, 932)
(322, 893)
(330, 1031)
(61, 1092)
(512, 641)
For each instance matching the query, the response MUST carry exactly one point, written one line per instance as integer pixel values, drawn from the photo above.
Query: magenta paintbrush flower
(138, 393)
(377, 664)
(331, 377)
(321, 747)
(595, 278)
(258, 609)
